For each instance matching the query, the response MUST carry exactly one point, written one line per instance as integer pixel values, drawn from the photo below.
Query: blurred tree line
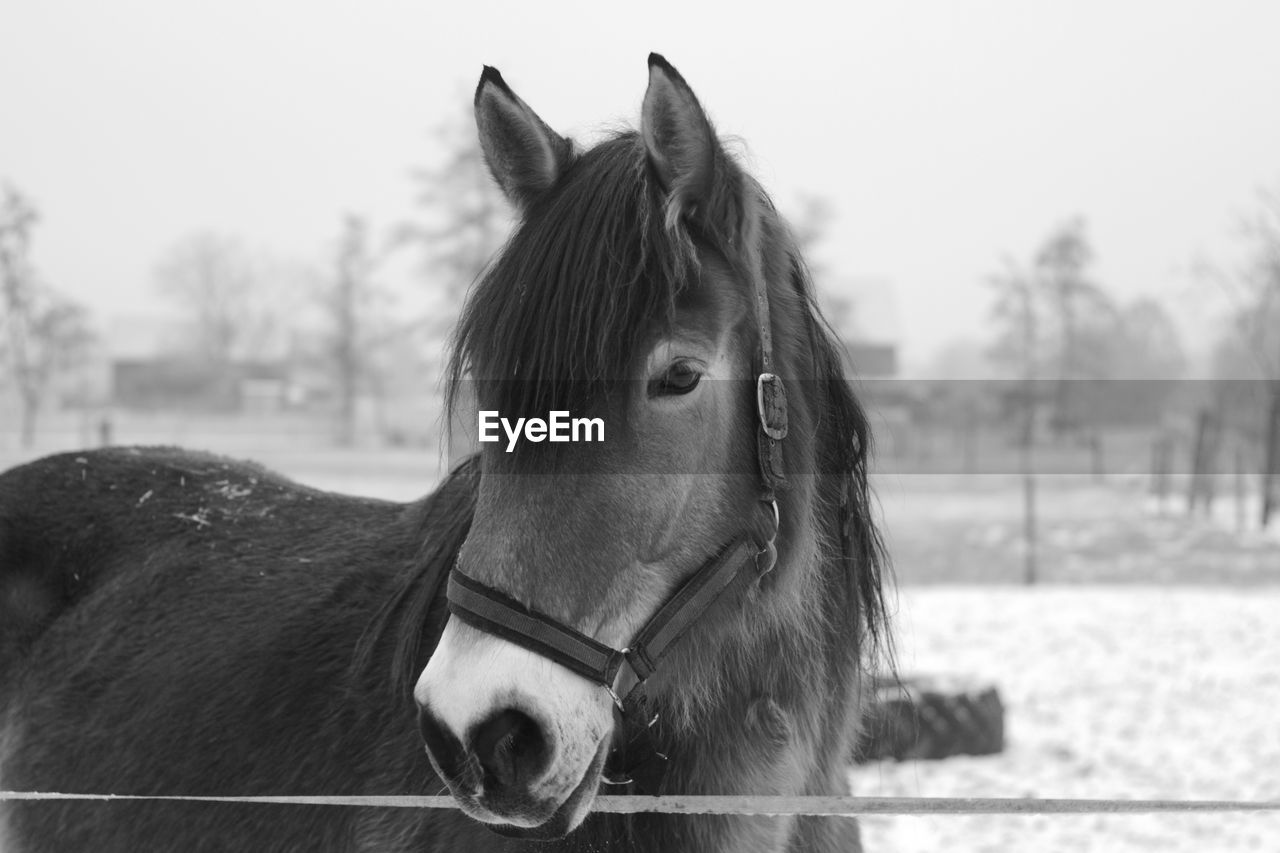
(42, 332)
(1054, 320)
(365, 321)
(1056, 324)
(343, 318)
(347, 318)
(1247, 356)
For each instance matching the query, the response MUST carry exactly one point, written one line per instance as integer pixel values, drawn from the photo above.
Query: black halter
(752, 554)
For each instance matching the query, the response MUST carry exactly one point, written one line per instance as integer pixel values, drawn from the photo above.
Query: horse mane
(404, 621)
(590, 272)
(846, 491)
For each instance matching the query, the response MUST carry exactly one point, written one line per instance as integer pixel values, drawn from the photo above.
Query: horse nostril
(511, 748)
(444, 749)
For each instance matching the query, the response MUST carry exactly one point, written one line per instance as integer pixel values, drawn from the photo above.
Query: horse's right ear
(678, 138)
(524, 155)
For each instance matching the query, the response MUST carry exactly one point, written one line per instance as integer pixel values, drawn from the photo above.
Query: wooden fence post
(1197, 461)
(1240, 488)
(1161, 462)
(1271, 458)
(1204, 458)
(1029, 482)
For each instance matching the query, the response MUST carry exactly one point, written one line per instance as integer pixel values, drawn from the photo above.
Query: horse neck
(783, 642)
(774, 726)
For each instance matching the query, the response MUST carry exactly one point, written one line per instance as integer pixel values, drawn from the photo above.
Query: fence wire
(808, 806)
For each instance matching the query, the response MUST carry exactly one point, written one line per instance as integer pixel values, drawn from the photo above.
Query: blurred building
(192, 384)
(149, 369)
(864, 312)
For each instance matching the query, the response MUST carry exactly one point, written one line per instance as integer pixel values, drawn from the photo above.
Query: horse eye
(680, 378)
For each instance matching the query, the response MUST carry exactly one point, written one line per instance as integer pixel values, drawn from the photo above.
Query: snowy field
(957, 529)
(1110, 691)
(1146, 665)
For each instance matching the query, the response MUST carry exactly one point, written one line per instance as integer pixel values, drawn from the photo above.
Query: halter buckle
(771, 405)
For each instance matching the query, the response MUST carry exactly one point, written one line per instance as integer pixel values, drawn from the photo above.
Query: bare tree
(219, 284)
(1259, 284)
(43, 332)
(1148, 344)
(353, 301)
(1017, 310)
(464, 217)
(811, 226)
(1076, 303)
(463, 220)
(1252, 348)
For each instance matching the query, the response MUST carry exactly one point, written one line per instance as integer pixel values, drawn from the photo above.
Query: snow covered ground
(955, 529)
(1110, 691)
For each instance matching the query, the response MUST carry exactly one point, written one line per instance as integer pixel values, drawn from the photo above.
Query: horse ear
(678, 136)
(524, 156)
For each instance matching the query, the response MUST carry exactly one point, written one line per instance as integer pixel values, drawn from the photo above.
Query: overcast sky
(946, 134)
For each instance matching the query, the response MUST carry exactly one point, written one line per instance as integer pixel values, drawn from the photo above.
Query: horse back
(178, 623)
(72, 523)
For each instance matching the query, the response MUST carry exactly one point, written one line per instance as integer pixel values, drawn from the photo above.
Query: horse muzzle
(519, 741)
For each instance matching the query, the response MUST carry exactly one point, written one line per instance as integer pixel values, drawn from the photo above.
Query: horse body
(175, 623)
(178, 624)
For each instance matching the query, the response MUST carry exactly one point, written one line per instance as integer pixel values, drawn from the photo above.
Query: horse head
(629, 292)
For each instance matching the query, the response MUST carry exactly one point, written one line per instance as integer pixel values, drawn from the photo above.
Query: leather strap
(495, 612)
(684, 608)
(771, 397)
(488, 609)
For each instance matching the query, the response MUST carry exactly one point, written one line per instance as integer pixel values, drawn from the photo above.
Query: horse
(690, 606)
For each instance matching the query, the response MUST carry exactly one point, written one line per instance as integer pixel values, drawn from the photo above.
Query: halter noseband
(495, 612)
(753, 554)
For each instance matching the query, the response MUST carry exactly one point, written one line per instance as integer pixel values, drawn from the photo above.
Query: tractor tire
(929, 719)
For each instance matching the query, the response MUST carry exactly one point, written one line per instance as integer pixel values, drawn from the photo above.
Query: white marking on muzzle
(473, 675)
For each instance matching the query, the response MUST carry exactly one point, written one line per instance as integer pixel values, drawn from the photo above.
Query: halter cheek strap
(771, 400)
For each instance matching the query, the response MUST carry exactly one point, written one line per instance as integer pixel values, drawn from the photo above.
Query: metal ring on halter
(611, 687)
(770, 549)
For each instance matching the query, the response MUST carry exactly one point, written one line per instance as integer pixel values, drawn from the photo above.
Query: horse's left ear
(678, 136)
(524, 155)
